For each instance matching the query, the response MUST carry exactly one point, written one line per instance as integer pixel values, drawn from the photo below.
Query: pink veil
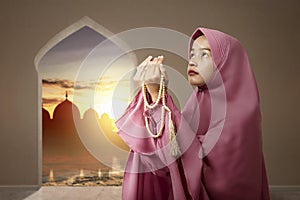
(230, 164)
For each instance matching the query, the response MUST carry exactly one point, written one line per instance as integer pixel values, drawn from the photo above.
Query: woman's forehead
(200, 42)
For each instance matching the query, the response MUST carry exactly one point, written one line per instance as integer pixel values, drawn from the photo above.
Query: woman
(225, 160)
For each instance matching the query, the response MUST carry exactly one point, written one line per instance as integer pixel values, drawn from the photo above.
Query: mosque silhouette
(63, 150)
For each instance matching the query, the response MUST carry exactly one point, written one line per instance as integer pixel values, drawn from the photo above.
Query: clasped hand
(149, 72)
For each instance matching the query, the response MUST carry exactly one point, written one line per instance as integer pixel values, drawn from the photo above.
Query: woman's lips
(192, 72)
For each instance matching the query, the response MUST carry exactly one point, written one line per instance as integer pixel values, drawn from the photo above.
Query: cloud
(52, 100)
(67, 84)
(80, 87)
(105, 86)
(58, 82)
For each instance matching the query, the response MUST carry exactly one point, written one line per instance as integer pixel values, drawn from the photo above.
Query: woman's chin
(195, 82)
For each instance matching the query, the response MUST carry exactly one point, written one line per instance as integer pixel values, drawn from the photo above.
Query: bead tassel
(175, 149)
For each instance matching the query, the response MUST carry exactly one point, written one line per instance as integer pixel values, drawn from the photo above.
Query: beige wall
(268, 29)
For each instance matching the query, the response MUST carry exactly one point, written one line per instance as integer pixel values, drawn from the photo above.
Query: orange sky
(94, 71)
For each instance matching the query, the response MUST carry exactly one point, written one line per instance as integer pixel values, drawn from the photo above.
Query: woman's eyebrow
(202, 48)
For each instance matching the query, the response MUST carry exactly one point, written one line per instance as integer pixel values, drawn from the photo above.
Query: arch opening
(75, 118)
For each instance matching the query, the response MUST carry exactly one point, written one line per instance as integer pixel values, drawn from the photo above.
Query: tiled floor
(104, 192)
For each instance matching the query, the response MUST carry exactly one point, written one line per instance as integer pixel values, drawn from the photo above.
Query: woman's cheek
(206, 71)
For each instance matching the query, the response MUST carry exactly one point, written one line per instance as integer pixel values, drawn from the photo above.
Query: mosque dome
(45, 114)
(90, 114)
(66, 111)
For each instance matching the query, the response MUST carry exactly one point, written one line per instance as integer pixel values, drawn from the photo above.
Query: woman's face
(201, 66)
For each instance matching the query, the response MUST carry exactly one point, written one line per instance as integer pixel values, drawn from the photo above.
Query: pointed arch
(56, 39)
(84, 21)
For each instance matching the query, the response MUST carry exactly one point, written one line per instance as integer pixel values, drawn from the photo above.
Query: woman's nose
(192, 63)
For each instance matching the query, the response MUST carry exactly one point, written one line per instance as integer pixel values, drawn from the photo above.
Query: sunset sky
(74, 65)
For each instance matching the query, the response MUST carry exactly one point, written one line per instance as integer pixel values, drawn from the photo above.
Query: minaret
(66, 95)
(51, 176)
(81, 175)
(99, 173)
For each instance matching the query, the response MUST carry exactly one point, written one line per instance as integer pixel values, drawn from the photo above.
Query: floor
(62, 193)
(103, 193)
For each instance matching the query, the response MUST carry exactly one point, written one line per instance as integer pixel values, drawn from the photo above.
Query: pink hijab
(226, 162)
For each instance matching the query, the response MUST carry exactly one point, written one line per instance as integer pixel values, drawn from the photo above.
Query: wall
(268, 29)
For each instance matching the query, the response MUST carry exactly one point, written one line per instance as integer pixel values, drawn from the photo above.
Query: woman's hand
(149, 72)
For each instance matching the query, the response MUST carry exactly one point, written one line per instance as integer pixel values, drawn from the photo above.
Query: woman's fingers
(150, 70)
(156, 73)
(162, 69)
(140, 73)
(146, 61)
(160, 59)
(142, 67)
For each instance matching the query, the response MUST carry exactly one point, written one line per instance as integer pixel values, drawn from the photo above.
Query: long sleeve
(151, 171)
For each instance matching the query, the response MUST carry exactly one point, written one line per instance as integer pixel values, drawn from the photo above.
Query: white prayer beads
(175, 150)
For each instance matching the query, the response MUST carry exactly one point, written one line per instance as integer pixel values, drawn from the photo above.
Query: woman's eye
(204, 54)
(192, 55)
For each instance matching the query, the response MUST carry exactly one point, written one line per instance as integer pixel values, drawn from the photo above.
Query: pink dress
(151, 171)
(219, 133)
